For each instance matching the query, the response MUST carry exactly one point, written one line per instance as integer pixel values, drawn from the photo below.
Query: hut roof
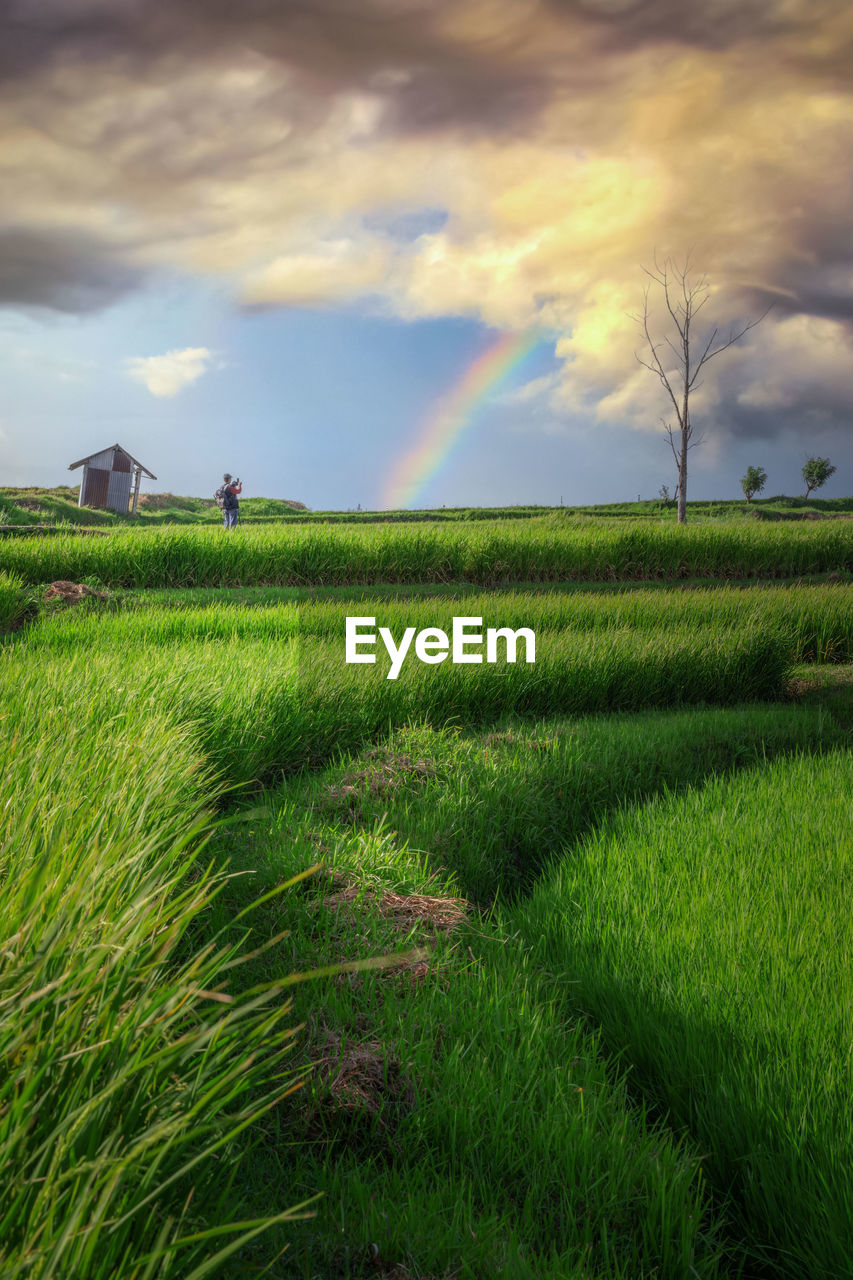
(75, 465)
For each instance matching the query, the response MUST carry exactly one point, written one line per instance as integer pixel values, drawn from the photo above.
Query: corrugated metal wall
(102, 461)
(118, 493)
(106, 481)
(96, 488)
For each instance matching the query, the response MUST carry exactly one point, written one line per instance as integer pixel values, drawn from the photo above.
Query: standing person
(229, 504)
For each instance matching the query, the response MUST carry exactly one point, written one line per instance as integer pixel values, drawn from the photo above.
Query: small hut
(108, 478)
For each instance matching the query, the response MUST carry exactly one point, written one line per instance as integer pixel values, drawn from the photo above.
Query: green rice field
(534, 970)
(548, 549)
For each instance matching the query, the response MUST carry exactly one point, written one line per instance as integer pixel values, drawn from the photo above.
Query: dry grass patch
(386, 773)
(363, 1077)
(822, 679)
(403, 911)
(354, 1084)
(72, 592)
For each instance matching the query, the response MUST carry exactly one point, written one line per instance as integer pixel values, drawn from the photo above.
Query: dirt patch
(356, 1091)
(797, 688)
(825, 679)
(386, 773)
(403, 911)
(72, 592)
(363, 1077)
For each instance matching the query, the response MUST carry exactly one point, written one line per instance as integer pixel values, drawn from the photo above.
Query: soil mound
(72, 592)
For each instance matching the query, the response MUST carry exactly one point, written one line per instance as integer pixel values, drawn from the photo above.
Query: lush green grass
(49, 507)
(179, 597)
(487, 553)
(58, 505)
(715, 508)
(265, 707)
(710, 936)
(13, 600)
(103, 899)
(129, 1068)
(469, 1149)
(36, 505)
(469, 1175)
(495, 807)
(814, 622)
(455, 1121)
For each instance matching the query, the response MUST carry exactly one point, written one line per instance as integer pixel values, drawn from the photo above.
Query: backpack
(222, 498)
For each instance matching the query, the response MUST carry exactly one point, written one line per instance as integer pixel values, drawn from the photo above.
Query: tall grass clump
(13, 601)
(709, 936)
(535, 550)
(128, 1067)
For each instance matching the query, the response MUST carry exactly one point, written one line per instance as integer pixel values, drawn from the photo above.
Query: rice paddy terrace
(522, 969)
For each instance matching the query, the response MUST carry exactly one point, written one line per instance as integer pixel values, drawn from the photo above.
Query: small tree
(816, 472)
(663, 493)
(689, 352)
(753, 482)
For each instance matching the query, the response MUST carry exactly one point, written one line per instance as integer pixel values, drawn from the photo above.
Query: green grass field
(532, 970)
(489, 553)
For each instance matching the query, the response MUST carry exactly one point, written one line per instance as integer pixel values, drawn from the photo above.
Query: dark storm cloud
(347, 36)
(715, 25)
(795, 378)
(816, 420)
(439, 80)
(498, 71)
(823, 291)
(66, 272)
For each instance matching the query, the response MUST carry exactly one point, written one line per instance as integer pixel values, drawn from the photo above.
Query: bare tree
(684, 298)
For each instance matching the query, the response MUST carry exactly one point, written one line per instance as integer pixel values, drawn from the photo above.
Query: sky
(391, 252)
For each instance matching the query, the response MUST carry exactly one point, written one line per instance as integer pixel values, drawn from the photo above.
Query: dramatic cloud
(168, 374)
(511, 160)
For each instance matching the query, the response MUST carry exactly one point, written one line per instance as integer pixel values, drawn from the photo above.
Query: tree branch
(730, 341)
(658, 367)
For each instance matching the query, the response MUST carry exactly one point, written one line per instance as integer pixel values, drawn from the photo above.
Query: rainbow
(452, 415)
